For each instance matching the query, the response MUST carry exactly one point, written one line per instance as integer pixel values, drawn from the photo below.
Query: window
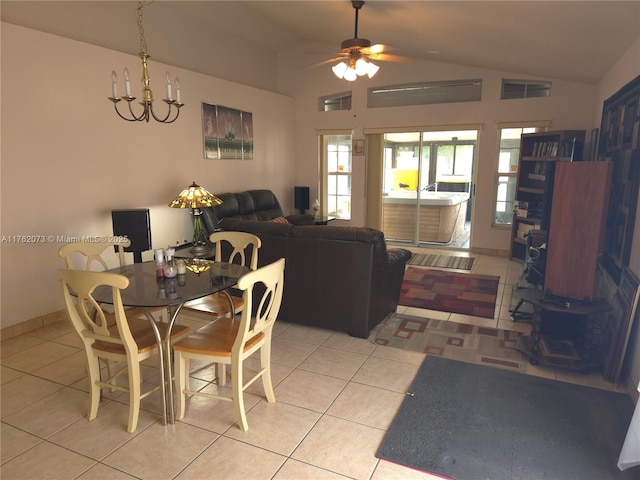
(337, 180)
(337, 101)
(524, 89)
(425, 93)
(507, 172)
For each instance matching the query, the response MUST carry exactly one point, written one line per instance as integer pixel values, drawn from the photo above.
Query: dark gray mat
(469, 422)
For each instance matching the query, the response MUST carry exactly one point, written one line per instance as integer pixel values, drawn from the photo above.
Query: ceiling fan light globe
(362, 67)
(350, 75)
(372, 69)
(340, 69)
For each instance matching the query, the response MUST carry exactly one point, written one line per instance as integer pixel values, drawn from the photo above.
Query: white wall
(570, 106)
(626, 69)
(68, 160)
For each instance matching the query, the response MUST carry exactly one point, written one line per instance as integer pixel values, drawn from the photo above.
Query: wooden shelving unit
(539, 153)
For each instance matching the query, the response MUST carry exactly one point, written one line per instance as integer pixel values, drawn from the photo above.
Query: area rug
(472, 422)
(465, 293)
(441, 261)
(458, 341)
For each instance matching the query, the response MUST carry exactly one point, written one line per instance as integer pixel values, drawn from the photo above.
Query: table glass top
(146, 290)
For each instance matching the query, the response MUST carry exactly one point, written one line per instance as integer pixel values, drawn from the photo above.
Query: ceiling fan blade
(388, 57)
(329, 60)
(375, 49)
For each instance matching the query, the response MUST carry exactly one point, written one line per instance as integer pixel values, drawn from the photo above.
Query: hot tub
(442, 215)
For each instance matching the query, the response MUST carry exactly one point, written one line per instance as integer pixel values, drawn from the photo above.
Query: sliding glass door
(427, 183)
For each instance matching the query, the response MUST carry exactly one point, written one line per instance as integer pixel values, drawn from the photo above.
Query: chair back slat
(84, 311)
(271, 277)
(239, 242)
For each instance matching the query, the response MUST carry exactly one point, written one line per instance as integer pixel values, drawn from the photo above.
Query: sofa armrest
(398, 258)
(398, 255)
(301, 219)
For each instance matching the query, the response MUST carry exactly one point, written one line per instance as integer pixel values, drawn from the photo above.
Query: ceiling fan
(357, 53)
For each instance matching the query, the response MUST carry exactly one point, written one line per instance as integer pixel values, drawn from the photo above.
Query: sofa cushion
(245, 203)
(229, 206)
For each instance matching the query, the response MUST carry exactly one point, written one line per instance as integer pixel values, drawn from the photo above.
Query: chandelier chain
(146, 100)
(143, 41)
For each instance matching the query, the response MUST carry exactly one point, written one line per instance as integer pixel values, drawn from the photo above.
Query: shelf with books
(534, 186)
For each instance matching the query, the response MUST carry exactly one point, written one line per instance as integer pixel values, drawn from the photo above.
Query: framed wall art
(357, 147)
(227, 133)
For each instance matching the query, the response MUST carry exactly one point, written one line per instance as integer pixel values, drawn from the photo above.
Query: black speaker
(136, 226)
(301, 198)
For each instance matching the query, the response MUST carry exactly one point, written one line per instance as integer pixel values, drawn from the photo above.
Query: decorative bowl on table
(197, 265)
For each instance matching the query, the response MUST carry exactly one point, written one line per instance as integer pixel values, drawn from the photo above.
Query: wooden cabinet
(539, 153)
(577, 228)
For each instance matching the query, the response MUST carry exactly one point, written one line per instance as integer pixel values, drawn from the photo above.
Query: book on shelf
(536, 176)
(521, 209)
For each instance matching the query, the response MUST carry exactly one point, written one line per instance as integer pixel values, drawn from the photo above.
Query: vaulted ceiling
(571, 40)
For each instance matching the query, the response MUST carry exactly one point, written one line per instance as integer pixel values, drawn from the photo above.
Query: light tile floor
(336, 397)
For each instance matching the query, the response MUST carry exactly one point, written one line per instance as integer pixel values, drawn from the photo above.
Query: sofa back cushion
(229, 206)
(265, 204)
(348, 234)
(256, 227)
(250, 205)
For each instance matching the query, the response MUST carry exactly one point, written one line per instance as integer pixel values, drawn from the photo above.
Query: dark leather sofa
(249, 205)
(340, 278)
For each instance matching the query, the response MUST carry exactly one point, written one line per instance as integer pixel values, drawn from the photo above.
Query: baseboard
(489, 251)
(32, 324)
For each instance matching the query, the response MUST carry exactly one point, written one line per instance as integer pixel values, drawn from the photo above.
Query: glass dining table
(149, 292)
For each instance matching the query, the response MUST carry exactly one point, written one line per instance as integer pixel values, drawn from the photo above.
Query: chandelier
(147, 96)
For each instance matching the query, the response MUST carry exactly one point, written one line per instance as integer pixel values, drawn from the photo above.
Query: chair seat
(142, 334)
(215, 339)
(216, 304)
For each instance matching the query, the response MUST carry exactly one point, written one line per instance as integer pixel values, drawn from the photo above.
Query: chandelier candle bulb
(114, 85)
(127, 83)
(168, 87)
(177, 90)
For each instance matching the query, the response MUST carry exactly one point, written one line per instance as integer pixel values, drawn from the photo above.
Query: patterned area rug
(441, 261)
(457, 341)
(464, 293)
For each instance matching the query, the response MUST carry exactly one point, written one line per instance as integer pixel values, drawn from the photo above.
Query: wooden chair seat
(143, 336)
(216, 339)
(216, 304)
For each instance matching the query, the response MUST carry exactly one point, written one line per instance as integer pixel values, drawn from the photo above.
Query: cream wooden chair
(218, 304)
(230, 342)
(129, 341)
(89, 256)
